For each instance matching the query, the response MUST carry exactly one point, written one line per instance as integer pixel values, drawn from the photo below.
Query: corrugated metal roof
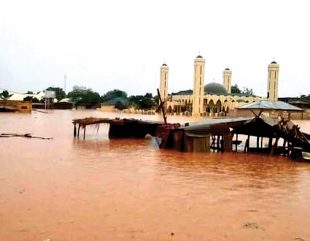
(270, 105)
(210, 122)
(16, 96)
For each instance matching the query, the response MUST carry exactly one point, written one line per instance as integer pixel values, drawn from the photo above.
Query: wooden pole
(257, 142)
(84, 132)
(236, 142)
(74, 130)
(161, 105)
(78, 134)
(247, 144)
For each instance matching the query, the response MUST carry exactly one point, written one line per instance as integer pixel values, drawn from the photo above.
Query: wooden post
(78, 134)
(257, 142)
(213, 143)
(236, 142)
(84, 132)
(161, 105)
(270, 143)
(227, 143)
(74, 130)
(275, 146)
(284, 147)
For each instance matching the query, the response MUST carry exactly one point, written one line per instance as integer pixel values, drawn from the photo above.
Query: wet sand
(99, 189)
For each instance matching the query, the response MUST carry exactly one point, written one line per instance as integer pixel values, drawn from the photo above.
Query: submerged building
(213, 98)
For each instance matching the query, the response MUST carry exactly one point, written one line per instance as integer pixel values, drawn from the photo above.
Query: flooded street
(121, 190)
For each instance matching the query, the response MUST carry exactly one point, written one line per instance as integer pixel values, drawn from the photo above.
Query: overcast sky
(121, 44)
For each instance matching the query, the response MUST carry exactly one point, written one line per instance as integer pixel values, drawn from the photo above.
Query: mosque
(212, 99)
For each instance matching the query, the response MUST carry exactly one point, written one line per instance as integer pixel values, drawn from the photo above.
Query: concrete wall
(20, 106)
(107, 108)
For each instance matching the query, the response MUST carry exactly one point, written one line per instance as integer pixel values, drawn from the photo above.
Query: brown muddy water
(99, 189)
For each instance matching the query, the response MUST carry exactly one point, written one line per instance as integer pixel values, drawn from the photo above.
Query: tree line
(89, 98)
(83, 96)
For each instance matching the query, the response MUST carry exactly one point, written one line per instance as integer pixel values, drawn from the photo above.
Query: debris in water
(27, 135)
(251, 225)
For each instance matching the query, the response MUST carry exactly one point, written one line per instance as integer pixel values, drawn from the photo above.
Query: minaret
(273, 83)
(227, 80)
(198, 90)
(163, 89)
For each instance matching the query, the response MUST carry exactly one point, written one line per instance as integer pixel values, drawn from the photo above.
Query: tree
(147, 101)
(247, 91)
(305, 98)
(5, 94)
(120, 105)
(142, 102)
(83, 96)
(59, 92)
(112, 94)
(32, 99)
(156, 99)
(235, 89)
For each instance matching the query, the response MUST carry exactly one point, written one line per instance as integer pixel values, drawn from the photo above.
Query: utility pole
(65, 83)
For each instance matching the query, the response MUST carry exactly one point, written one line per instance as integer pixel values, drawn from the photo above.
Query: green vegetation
(305, 98)
(247, 92)
(112, 94)
(121, 100)
(32, 99)
(4, 94)
(143, 102)
(82, 96)
(60, 93)
(236, 90)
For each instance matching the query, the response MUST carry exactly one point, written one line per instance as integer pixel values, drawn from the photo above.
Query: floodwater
(124, 190)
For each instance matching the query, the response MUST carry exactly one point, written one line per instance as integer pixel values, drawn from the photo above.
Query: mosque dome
(164, 65)
(273, 62)
(215, 89)
(227, 69)
(199, 57)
